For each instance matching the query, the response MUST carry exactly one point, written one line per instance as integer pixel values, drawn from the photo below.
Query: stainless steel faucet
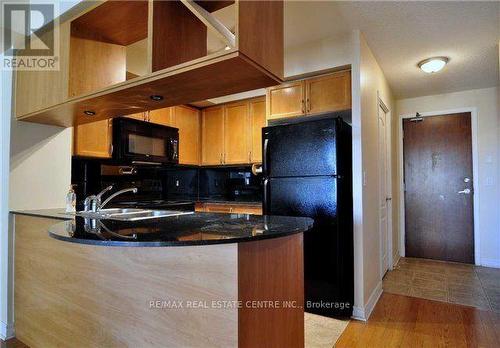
(132, 189)
(93, 203)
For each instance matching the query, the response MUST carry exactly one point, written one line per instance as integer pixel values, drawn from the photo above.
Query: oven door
(143, 142)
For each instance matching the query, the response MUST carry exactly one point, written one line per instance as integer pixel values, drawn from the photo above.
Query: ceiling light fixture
(432, 65)
(156, 97)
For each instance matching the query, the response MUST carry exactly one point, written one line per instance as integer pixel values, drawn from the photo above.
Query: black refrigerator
(307, 171)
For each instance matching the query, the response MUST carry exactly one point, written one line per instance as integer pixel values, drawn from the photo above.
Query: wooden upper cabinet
(99, 65)
(116, 54)
(141, 116)
(328, 93)
(286, 100)
(187, 119)
(93, 139)
(257, 113)
(37, 90)
(108, 43)
(212, 136)
(163, 116)
(236, 133)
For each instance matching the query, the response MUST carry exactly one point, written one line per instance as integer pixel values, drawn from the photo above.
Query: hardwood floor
(12, 343)
(401, 321)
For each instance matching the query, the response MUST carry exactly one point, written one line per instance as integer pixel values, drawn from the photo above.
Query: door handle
(264, 155)
(466, 191)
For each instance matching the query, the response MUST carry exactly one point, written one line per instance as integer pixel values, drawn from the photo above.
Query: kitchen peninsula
(197, 279)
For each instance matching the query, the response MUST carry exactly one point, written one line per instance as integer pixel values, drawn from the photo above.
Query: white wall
(5, 237)
(319, 55)
(368, 83)
(486, 101)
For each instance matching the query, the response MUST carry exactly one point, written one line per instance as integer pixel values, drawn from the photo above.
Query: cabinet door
(329, 93)
(141, 116)
(286, 100)
(236, 133)
(257, 111)
(163, 116)
(212, 135)
(93, 139)
(188, 121)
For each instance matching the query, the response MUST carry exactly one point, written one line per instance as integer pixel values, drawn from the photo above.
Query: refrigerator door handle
(264, 156)
(266, 197)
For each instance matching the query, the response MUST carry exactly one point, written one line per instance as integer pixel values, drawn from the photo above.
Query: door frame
(475, 179)
(388, 188)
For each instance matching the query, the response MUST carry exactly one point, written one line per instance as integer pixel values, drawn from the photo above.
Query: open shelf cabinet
(123, 54)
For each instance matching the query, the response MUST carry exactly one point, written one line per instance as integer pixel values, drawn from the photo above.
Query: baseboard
(6, 330)
(363, 314)
(358, 313)
(495, 263)
(395, 259)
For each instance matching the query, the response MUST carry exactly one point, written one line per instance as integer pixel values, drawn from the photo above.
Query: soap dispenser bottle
(71, 200)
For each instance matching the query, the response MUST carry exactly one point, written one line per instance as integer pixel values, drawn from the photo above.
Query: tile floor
(446, 281)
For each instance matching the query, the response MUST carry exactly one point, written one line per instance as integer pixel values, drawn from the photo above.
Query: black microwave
(139, 142)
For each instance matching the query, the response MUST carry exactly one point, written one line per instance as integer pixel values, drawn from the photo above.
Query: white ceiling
(402, 33)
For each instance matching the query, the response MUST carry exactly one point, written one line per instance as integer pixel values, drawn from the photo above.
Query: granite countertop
(191, 229)
(58, 213)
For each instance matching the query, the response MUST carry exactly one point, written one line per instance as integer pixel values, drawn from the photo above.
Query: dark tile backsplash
(180, 183)
(172, 183)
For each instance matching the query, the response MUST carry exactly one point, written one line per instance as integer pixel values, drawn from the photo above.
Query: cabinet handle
(220, 158)
(249, 156)
(308, 105)
(224, 158)
(303, 107)
(111, 149)
(231, 209)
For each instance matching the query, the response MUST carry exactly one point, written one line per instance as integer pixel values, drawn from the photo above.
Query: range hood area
(101, 49)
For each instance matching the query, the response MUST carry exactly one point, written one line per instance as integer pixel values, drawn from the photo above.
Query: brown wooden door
(188, 121)
(286, 100)
(437, 174)
(93, 139)
(236, 133)
(329, 93)
(212, 136)
(257, 112)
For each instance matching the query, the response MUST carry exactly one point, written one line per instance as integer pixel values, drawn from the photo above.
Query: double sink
(131, 214)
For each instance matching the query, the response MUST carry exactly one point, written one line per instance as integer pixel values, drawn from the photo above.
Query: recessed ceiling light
(89, 113)
(432, 65)
(156, 97)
